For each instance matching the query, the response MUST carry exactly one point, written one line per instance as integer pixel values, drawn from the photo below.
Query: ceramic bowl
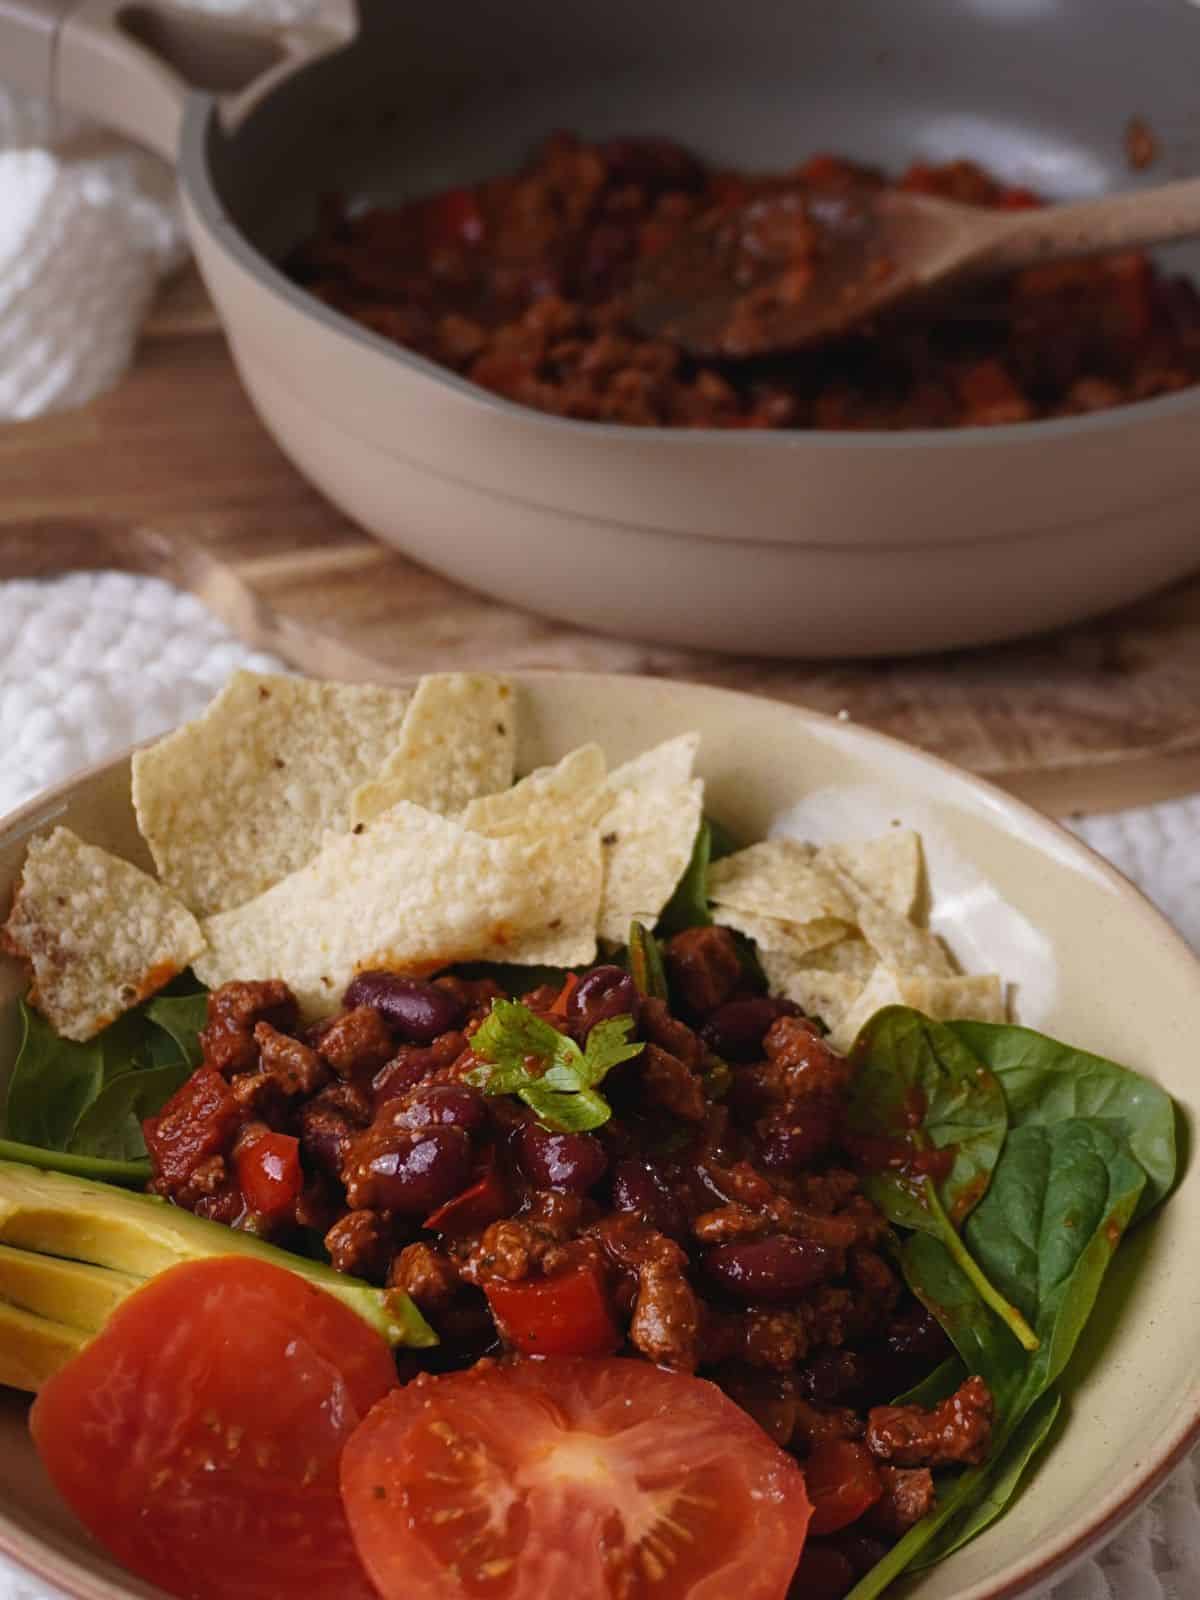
(1089, 959)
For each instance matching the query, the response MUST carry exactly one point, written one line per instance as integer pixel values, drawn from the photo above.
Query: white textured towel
(88, 225)
(90, 663)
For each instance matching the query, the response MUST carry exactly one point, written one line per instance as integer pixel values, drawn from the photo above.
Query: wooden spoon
(796, 266)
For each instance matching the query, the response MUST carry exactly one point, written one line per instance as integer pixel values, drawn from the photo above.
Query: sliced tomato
(843, 1482)
(269, 1174)
(198, 1435)
(567, 1315)
(582, 1478)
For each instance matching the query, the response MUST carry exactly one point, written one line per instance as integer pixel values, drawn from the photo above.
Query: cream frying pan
(799, 543)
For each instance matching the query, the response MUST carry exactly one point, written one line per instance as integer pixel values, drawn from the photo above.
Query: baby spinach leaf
(131, 1174)
(688, 906)
(111, 1127)
(721, 841)
(1046, 1082)
(181, 1018)
(1005, 1472)
(952, 1501)
(916, 1080)
(937, 1386)
(53, 1082)
(73, 1098)
(917, 1086)
(1061, 1198)
(645, 963)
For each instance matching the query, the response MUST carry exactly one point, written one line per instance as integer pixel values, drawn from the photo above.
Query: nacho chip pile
(835, 931)
(308, 831)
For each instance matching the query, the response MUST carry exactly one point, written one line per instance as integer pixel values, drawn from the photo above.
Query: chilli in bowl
(726, 1236)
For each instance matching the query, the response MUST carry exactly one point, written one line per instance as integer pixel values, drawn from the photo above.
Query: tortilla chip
(669, 765)
(796, 942)
(459, 740)
(780, 878)
(647, 836)
(889, 867)
(851, 957)
(414, 892)
(236, 800)
(899, 943)
(100, 934)
(974, 999)
(881, 989)
(828, 995)
(571, 793)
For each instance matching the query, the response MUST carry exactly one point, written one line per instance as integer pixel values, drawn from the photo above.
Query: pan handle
(131, 63)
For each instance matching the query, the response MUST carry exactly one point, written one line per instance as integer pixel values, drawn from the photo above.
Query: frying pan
(793, 543)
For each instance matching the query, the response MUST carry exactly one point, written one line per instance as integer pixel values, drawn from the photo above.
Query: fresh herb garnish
(546, 1069)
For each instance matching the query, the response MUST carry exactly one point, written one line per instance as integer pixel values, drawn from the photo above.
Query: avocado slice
(52, 1214)
(70, 1292)
(33, 1348)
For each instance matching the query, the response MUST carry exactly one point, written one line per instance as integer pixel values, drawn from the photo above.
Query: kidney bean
(640, 1188)
(737, 1029)
(441, 1105)
(604, 993)
(571, 1161)
(416, 1010)
(777, 1268)
(410, 1171)
(792, 1142)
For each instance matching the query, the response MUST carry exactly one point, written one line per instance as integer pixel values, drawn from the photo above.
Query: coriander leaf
(1045, 1082)
(525, 1056)
(511, 1034)
(607, 1046)
(566, 1111)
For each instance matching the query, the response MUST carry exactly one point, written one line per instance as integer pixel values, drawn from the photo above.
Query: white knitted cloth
(92, 662)
(88, 224)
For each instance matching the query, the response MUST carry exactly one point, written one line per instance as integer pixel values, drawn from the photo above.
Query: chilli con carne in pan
(520, 283)
(542, 1188)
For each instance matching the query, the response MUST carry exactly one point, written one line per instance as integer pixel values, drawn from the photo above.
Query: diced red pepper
(487, 1200)
(843, 1482)
(559, 1008)
(1018, 199)
(270, 1174)
(196, 1122)
(567, 1315)
(455, 218)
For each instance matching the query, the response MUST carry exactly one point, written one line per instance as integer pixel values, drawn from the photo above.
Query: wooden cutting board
(172, 474)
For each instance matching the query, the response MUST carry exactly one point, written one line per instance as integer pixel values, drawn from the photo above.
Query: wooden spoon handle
(1090, 227)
